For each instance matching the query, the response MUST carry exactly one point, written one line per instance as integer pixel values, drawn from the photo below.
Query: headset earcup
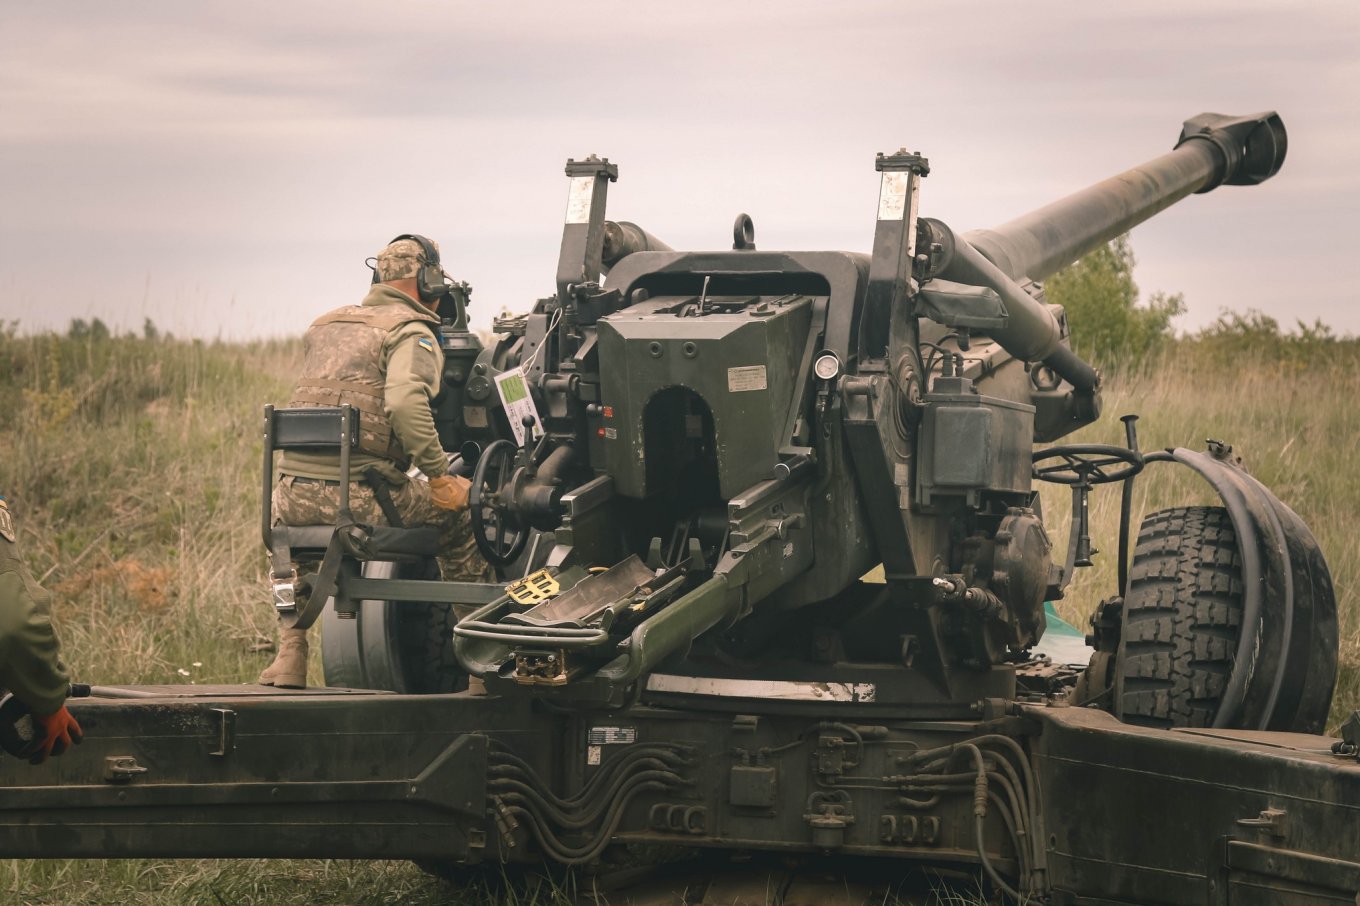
(430, 284)
(424, 285)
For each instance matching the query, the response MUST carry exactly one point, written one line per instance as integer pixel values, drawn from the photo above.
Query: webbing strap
(383, 495)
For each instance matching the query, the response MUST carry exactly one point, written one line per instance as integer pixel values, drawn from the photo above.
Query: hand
(450, 492)
(59, 732)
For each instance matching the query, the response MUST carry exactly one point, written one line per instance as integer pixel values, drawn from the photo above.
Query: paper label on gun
(892, 195)
(579, 198)
(747, 377)
(515, 398)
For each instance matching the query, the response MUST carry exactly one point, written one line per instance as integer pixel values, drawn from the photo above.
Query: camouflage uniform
(29, 663)
(300, 501)
(383, 357)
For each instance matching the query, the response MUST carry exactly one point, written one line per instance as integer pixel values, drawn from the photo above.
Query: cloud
(259, 150)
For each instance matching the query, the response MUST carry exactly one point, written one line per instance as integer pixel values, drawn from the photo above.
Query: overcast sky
(225, 168)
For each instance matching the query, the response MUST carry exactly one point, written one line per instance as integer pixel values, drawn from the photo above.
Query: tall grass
(132, 465)
(1284, 405)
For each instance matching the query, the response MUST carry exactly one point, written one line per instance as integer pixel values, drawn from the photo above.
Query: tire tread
(1182, 619)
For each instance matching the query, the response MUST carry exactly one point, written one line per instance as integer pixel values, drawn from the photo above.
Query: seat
(328, 430)
(371, 542)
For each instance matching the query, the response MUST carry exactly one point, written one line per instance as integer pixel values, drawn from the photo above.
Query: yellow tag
(534, 588)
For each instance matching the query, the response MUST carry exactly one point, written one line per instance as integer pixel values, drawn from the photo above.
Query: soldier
(30, 666)
(382, 356)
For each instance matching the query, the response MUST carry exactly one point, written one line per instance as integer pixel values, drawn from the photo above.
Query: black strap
(280, 554)
(324, 586)
(383, 495)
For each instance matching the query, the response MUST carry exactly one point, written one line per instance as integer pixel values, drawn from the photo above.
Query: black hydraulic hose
(853, 733)
(624, 782)
(989, 868)
(1030, 784)
(673, 756)
(1012, 796)
(980, 815)
(927, 781)
(1016, 821)
(1004, 811)
(1026, 781)
(1031, 780)
(576, 855)
(1017, 791)
(952, 783)
(595, 809)
(587, 795)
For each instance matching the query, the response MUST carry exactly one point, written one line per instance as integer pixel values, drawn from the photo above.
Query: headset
(430, 282)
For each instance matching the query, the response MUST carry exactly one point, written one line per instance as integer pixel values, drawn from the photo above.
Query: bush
(1255, 339)
(1109, 326)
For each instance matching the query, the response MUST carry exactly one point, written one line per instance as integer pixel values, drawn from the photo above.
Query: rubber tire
(1182, 619)
(406, 648)
(425, 639)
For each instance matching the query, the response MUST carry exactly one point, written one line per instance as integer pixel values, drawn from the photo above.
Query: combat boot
(289, 670)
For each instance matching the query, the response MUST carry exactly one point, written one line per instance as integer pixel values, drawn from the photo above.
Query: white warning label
(612, 736)
(892, 195)
(747, 377)
(579, 198)
(518, 404)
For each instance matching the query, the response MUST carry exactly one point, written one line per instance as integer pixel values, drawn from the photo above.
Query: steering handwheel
(499, 533)
(1087, 464)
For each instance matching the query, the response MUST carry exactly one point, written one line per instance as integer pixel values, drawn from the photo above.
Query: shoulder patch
(426, 343)
(6, 522)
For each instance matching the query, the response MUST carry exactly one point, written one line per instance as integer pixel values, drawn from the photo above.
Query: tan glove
(450, 492)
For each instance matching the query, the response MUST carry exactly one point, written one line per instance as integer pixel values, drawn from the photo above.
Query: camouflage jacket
(383, 357)
(29, 663)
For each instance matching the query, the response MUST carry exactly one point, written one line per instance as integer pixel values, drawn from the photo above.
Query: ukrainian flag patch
(426, 343)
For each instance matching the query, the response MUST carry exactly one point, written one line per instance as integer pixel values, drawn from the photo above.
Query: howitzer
(688, 469)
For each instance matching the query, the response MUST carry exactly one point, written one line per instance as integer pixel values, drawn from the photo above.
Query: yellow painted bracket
(533, 589)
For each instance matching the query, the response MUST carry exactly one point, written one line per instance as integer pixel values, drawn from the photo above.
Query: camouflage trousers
(300, 501)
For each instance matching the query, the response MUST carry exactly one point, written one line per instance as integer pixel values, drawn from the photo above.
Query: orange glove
(59, 732)
(450, 492)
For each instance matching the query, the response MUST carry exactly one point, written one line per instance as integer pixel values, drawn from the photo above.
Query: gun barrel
(1213, 149)
(622, 238)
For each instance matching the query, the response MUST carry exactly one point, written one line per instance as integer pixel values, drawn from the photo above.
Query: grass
(235, 882)
(132, 469)
(1285, 416)
(132, 464)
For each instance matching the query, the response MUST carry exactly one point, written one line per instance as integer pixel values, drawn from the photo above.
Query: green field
(133, 466)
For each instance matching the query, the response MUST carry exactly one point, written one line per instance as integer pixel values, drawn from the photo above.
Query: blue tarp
(1063, 642)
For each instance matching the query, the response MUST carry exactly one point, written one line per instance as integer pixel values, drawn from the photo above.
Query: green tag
(512, 389)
